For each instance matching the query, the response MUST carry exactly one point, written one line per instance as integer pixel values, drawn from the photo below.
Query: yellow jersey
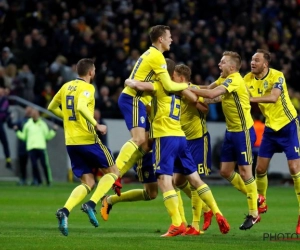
(236, 103)
(165, 112)
(277, 114)
(78, 131)
(193, 121)
(146, 69)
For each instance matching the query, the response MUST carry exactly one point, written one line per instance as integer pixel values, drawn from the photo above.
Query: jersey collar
(78, 78)
(264, 76)
(153, 47)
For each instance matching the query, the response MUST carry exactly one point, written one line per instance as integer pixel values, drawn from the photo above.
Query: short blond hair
(235, 57)
(184, 70)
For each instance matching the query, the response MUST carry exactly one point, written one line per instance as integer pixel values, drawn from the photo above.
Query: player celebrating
(86, 151)
(268, 88)
(170, 145)
(193, 124)
(146, 175)
(240, 134)
(151, 65)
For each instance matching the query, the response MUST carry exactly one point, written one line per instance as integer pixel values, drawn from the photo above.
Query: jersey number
(175, 107)
(70, 105)
(137, 65)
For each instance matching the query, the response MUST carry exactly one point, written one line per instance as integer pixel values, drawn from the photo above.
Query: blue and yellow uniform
(83, 145)
(281, 126)
(193, 124)
(169, 140)
(240, 135)
(132, 103)
(144, 169)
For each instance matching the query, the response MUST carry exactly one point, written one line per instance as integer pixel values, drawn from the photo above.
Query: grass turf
(27, 221)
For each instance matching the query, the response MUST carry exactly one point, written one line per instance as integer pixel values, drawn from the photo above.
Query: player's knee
(91, 184)
(152, 195)
(139, 140)
(225, 173)
(260, 169)
(294, 169)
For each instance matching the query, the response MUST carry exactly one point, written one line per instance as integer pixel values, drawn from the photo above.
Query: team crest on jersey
(86, 93)
(164, 66)
(146, 174)
(265, 84)
(142, 119)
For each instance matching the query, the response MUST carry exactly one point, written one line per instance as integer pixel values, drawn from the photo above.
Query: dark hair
(235, 57)
(266, 54)
(157, 31)
(170, 66)
(84, 66)
(184, 70)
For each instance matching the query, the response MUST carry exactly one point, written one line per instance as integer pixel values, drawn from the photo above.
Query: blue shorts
(285, 140)
(171, 149)
(144, 169)
(134, 112)
(201, 151)
(237, 147)
(84, 158)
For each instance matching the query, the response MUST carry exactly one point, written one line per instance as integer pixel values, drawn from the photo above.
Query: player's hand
(15, 127)
(101, 128)
(55, 127)
(130, 83)
(117, 186)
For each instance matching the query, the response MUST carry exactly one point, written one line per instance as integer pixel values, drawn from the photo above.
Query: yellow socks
(205, 208)
(180, 206)
(262, 183)
(296, 179)
(77, 195)
(252, 196)
(103, 187)
(207, 196)
(186, 188)
(236, 180)
(196, 209)
(126, 152)
(171, 203)
(131, 195)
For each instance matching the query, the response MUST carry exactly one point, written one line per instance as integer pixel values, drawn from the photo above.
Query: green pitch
(27, 221)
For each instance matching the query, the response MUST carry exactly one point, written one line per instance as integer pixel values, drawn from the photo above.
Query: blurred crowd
(41, 41)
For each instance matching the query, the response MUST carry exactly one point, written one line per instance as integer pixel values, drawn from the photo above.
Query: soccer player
(146, 175)
(193, 124)
(86, 151)
(268, 88)
(170, 145)
(240, 134)
(150, 66)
